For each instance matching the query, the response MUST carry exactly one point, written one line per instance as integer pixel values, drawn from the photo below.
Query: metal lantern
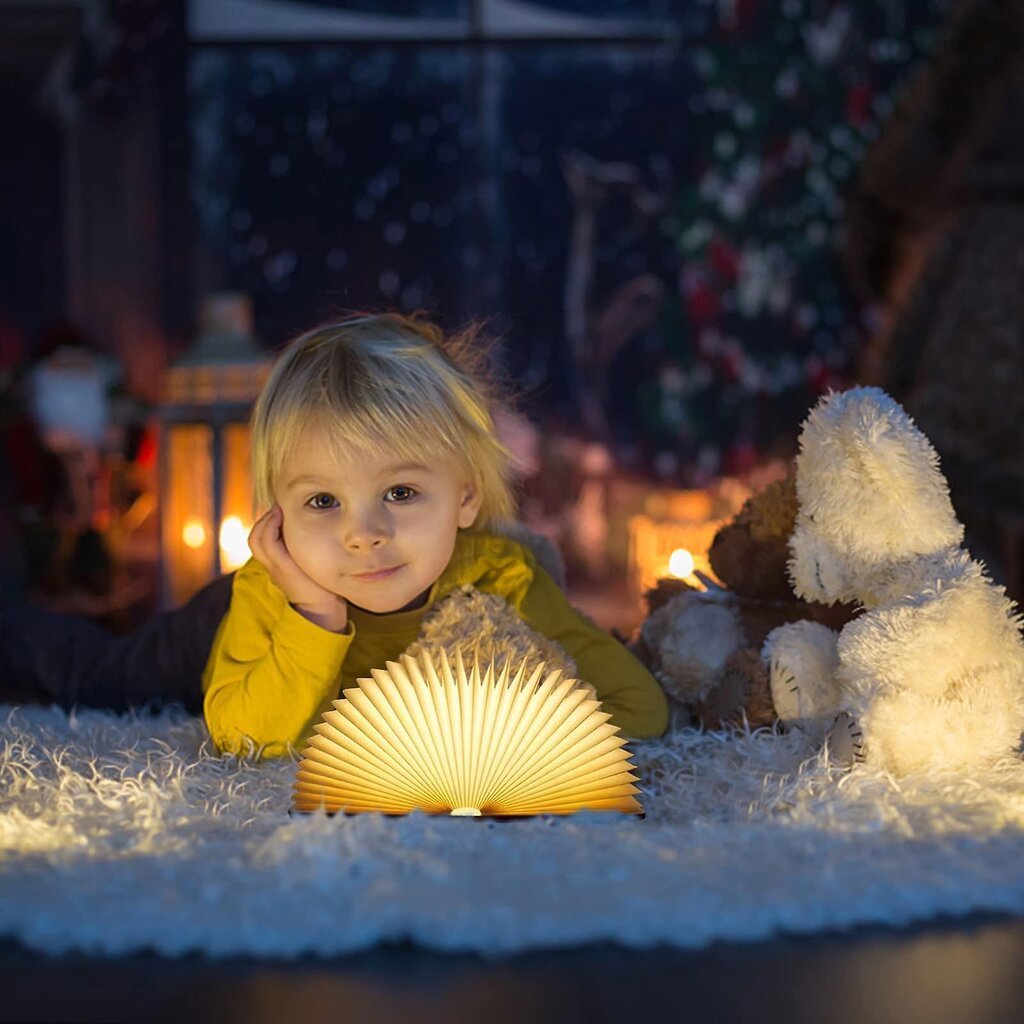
(205, 481)
(672, 538)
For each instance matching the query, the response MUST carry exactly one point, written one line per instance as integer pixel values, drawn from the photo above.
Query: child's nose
(366, 532)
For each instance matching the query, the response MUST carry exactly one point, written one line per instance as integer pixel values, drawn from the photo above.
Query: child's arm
(628, 692)
(271, 669)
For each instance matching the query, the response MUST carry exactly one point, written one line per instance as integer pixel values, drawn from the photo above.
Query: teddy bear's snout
(815, 568)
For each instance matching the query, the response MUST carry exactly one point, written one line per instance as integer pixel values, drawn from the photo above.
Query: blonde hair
(385, 383)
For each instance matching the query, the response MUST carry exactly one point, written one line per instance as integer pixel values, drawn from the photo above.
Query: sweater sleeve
(270, 671)
(628, 692)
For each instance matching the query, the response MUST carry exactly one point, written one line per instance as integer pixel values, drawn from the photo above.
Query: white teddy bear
(931, 672)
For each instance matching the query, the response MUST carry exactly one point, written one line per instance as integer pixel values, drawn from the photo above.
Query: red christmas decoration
(740, 458)
(724, 260)
(858, 104)
(702, 302)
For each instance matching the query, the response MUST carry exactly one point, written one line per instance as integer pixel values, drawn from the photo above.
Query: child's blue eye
(401, 493)
(322, 502)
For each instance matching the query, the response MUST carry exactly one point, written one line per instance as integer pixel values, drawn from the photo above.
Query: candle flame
(193, 533)
(681, 563)
(234, 544)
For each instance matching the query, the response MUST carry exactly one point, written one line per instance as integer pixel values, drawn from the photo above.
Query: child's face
(348, 519)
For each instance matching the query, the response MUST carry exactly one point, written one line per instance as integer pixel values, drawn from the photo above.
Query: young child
(383, 488)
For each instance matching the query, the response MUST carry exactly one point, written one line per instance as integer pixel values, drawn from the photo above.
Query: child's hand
(266, 541)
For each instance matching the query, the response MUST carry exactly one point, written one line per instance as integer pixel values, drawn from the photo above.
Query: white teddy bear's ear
(868, 482)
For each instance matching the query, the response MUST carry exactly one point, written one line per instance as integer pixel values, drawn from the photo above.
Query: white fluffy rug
(123, 833)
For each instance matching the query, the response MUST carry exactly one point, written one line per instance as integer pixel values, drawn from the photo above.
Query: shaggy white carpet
(119, 834)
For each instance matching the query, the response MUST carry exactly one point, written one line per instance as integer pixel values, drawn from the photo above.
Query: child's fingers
(268, 547)
(256, 534)
(267, 544)
(265, 536)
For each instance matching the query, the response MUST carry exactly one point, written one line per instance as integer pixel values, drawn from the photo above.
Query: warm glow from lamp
(677, 549)
(681, 563)
(234, 544)
(193, 533)
(447, 739)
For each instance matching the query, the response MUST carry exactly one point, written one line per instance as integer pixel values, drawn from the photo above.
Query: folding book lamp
(429, 735)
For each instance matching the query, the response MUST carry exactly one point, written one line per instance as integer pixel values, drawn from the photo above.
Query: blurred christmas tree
(792, 94)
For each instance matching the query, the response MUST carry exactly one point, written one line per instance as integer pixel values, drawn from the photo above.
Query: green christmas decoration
(763, 320)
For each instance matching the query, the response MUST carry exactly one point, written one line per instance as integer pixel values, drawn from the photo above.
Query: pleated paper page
(430, 735)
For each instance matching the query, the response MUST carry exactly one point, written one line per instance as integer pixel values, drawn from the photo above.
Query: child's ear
(469, 507)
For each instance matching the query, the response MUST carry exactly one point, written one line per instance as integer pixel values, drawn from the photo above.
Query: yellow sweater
(272, 673)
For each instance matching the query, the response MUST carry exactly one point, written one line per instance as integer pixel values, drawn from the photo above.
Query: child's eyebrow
(405, 467)
(301, 480)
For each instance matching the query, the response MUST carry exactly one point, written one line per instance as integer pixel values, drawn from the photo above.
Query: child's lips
(380, 574)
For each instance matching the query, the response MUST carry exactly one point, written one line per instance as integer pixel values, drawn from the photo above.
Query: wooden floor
(965, 972)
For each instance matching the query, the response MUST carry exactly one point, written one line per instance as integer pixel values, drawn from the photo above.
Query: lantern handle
(711, 584)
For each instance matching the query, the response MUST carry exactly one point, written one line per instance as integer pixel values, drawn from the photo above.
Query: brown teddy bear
(704, 646)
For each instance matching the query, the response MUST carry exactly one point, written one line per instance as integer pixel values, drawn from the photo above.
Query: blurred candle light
(681, 563)
(234, 544)
(193, 533)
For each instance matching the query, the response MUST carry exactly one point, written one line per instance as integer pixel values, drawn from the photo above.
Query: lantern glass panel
(188, 530)
(236, 502)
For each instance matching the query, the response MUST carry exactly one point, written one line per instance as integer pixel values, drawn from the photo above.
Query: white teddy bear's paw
(802, 660)
(794, 695)
(785, 689)
(845, 741)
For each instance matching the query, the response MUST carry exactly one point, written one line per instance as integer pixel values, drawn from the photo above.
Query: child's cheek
(310, 558)
(298, 541)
